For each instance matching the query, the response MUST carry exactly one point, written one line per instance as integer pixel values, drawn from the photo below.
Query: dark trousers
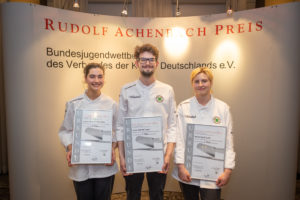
(191, 192)
(94, 189)
(156, 185)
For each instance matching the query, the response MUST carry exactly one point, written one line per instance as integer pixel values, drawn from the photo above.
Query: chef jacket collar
(207, 106)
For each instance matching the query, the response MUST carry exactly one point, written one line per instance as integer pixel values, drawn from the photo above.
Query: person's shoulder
(129, 85)
(76, 99)
(71, 104)
(186, 102)
(163, 85)
(107, 98)
(220, 103)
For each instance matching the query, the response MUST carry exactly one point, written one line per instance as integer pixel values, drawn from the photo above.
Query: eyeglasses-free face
(201, 85)
(95, 79)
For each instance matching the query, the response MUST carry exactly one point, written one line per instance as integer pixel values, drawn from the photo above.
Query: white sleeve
(121, 114)
(66, 130)
(230, 154)
(114, 122)
(171, 131)
(180, 141)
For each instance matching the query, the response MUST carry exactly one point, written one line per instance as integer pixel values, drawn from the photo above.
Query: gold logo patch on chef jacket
(159, 98)
(217, 120)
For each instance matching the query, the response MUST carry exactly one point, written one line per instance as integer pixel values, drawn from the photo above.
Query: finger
(183, 178)
(224, 182)
(127, 174)
(189, 178)
(124, 171)
(164, 170)
(220, 183)
(112, 161)
(113, 156)
(69, 156)
(108, 164)
(163, 167)
(167, 167)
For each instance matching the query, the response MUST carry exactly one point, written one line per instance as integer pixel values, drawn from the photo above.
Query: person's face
(201, 85)
(95, 79)
(147, 64)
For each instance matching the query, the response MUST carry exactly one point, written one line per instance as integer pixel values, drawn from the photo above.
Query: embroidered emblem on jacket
(159, 98)
(217, 120)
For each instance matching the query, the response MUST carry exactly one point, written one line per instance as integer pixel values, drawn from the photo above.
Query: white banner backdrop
(254, 55)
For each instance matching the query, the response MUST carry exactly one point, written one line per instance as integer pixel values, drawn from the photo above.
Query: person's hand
(183, 173)
(168, 154)
(122, 159)
(113, 158)
(123, 167)
(166, 165)
(223, 178)
(69, 155)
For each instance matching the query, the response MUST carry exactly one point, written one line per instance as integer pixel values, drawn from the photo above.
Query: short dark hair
(89, 66)
(145, 47)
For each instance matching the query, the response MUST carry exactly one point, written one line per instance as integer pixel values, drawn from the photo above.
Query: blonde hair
(203, 70)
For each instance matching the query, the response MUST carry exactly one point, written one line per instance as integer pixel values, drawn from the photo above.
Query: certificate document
(144, 149)
(92, 137)
(205, 151)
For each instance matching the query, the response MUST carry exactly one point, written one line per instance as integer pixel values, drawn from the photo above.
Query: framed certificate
(92, 137)
(205, 151)
(144, 149)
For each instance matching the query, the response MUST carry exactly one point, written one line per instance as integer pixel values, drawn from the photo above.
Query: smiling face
(147, 64)
(201, 85)
(95, 79)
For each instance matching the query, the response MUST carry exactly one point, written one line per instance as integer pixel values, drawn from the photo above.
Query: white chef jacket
(139, 100)
(190, 111)
(83, 172)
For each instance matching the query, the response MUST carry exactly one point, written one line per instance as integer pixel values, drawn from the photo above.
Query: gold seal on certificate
(92, 137)
(144, 149)
(205, 151)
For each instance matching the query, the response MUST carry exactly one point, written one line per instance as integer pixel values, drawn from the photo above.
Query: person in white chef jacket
(147, 97)
(91, 181)
(203, 108)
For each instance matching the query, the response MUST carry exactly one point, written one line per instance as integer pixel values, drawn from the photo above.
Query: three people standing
(148, 97)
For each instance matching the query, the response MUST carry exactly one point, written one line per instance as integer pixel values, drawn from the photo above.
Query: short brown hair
(145, 47)
(87, 68)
